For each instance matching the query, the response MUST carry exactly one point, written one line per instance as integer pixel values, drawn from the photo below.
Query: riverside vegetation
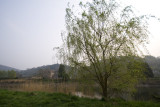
(147, 90)
(101, 48)
(37, 99)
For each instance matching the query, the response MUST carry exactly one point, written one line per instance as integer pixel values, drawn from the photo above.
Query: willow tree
(98, 36)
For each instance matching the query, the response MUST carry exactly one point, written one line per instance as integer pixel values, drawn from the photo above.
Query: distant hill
(6, 68)
(34, 71)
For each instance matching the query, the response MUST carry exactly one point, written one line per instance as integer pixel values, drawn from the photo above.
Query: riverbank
(146, 90)
(37, 99)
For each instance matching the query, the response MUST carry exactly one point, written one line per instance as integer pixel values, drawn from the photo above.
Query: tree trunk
(105, 91)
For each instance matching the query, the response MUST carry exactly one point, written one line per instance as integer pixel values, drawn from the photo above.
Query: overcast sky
(29, 29)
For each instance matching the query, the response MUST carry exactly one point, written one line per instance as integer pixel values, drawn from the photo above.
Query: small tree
(3, 74)
(11, 74)
(62, 73)
(99, 40)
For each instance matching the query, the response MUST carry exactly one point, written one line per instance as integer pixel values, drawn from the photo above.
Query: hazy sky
(29, 29)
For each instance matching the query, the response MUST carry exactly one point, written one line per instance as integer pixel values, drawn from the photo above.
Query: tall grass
(38, 85)
(29, 85)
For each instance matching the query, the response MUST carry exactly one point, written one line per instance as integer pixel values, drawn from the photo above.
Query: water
(147, 92)
(95, 95)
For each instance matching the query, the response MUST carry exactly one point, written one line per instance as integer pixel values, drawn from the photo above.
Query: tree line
(10, 74)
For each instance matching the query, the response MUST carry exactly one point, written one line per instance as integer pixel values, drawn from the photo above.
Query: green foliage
(7, 74)
(3, 74)
(127, 72)
(148, 71)
(41, 99)
(61, 70)
(100, 39)
(62, 73)
(11, 74)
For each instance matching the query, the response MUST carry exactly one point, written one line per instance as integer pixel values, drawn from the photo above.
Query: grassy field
(45, 99)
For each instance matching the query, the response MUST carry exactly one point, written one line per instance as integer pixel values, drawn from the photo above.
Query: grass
(44, 99)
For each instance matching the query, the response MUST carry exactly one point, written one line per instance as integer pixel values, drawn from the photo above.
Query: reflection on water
(95, 95)
(147, 92)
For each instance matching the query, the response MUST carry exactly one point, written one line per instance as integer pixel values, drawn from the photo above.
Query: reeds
(29, 85)
(35, 85)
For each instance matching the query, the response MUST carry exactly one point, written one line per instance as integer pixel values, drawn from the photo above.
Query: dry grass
(34, 85)
(29, 85)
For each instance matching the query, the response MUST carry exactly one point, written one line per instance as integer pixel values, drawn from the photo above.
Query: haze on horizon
(29, 29)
